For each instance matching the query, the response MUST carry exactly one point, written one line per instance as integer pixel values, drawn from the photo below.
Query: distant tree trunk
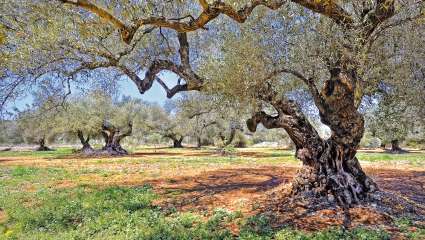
(199, 142)
(395, 147)
(113, 137)
(177, 142)
(42, 145)
(231, 137)
(87, 148)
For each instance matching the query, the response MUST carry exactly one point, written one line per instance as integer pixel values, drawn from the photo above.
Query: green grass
(56, 153)
(127, 213)
(90, 212)
(110, 213)
(93, 212)
(414, 159)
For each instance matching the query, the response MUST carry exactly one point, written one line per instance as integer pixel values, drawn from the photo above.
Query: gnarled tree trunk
(395, 147)
(177, 142)
(42, 145)
(198, 142)
(113, 137)
(330, 167)
(87, 148)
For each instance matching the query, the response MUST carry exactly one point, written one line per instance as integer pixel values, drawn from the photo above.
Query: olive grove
(257, 54)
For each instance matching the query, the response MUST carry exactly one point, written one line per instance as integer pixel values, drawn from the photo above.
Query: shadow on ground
(265, 189)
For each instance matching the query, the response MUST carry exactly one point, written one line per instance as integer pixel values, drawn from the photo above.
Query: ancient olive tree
(212, 119)
(391, 122)
(259, 55)
(169, 123)
(98, 115)
(38, 124)
(118, 123)
(82, 118)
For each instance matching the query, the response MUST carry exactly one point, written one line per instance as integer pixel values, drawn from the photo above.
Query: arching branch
(211, 11)
(127, 32)
(183, 70)
(268, 121)
(173, 91)
(308, 81)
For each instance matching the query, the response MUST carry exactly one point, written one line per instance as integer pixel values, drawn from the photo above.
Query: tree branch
(268, 121)
(127, 32)
(176, 89)
(184, 70)
(211, 11)
(308, 81)
(384, 10)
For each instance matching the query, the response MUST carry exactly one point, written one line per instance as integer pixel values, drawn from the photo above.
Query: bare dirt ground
(3, 216)
(243, 185)
(236, 188)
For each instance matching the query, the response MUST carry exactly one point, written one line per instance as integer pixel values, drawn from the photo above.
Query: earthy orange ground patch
(238, 189)
(234, 189)
(244, 186)
(3, 216)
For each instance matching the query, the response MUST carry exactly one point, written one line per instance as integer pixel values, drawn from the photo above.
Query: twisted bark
(87, 148)
(329, 166)
(113, 137)
(42, 145)
(177, 142)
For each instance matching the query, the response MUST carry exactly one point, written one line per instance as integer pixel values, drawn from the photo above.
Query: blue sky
(156, 94)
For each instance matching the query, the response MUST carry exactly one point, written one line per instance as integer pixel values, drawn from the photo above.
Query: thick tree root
(114, 150)
(90, 152)
(87, 150)
(310, 212)
(340, 186)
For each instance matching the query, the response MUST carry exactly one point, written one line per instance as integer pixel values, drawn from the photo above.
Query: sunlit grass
(55, 153)
(414, 159)
(85, 201)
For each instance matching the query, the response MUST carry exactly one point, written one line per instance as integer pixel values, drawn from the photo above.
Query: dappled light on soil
(253, 182)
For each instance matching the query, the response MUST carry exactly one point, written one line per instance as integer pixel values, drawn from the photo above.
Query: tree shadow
(265, 191)
(229, 188)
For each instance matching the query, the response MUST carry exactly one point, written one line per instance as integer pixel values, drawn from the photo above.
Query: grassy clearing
(37, 202)
(413, 159)
(85, 212)
(56, 153)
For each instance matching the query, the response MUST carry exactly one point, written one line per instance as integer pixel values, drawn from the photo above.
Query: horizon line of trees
(100, 117)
